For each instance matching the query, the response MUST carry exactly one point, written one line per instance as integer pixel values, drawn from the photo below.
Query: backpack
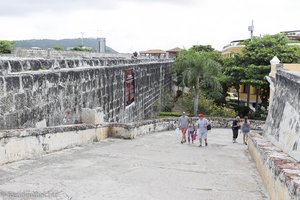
(208, 127)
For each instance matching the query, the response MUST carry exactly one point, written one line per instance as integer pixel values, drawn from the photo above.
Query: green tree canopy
(255, 59)
(260, 50)
(198, 70)
(57, 48)
(81, 48)
(6, 46)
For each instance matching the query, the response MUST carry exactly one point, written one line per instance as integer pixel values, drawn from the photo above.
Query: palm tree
(198, 69)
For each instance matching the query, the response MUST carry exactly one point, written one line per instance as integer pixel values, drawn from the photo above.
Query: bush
(168, 103)
(169, 114)
(206, 106)
(261, 114)
(219, 111)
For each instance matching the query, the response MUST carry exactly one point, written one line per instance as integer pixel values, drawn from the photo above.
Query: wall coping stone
(215, 122)
(284, 168)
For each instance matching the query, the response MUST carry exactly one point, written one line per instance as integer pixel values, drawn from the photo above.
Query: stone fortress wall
(283, 122)
(276, 150)
(51, 92)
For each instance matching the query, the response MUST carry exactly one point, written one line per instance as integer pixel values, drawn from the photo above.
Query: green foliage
(260, 50)
(169, 114)
(81, 48)
(6, 46)
(57, 48)
(168, 102)
(206, 106)
(219, 111)
(203, 48)
(253, 63)
(199, 71)
(260, 114)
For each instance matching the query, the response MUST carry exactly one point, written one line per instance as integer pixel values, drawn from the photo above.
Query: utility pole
(251, 29)
(82, 38)
(98, 41)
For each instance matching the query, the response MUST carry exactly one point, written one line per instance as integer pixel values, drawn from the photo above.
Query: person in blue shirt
(202, 129)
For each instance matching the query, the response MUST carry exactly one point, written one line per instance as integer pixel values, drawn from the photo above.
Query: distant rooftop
(175, 50)
(153, 51)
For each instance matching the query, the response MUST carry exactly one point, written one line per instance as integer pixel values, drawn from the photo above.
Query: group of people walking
(244, 126)
(199, 129)
(195, 131)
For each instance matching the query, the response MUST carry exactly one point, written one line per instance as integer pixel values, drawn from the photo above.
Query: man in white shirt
(183, 122)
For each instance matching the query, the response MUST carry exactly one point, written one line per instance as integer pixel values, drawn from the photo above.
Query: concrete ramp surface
(152, 167)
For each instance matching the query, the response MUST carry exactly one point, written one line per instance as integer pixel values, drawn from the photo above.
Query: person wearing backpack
(245, 130)
(202, 124)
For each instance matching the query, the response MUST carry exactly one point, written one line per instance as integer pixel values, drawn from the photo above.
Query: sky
(137, 25)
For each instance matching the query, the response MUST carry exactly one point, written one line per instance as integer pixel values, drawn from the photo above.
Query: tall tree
(255, 76)
(6, 46)
(198, 69)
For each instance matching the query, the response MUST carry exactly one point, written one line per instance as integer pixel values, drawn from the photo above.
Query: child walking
(191, 131)
(245, 130)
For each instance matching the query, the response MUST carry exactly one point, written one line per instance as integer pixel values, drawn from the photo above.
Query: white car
(231, 96)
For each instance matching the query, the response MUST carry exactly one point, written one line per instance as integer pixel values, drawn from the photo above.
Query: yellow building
(233, 48)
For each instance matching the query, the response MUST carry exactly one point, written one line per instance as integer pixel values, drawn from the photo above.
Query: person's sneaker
(245, 143)
(205, 143)
(200, 145)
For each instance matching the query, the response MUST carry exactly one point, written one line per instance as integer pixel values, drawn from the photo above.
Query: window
(129, 86)
(246, 88)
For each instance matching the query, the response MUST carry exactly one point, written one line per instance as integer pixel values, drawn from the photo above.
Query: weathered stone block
(27, 82)
(70, 63)
(12, 84)
(2, 123)
(11, 121)
(35, 65)
(2, 88)
(39, 81)
(20, 101)
(46, 64)
(4, 67)
(53, 78)
(26, 118)
(62, 63)
(6, 104)
(16, 66)
(92, 116)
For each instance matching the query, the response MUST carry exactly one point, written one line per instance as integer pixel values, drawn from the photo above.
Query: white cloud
(134, 25)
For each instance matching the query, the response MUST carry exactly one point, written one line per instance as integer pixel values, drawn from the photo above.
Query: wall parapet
(279, 171)
(12, 66)
(18, 144)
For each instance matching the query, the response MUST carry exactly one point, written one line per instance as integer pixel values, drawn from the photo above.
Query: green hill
(64, 43)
